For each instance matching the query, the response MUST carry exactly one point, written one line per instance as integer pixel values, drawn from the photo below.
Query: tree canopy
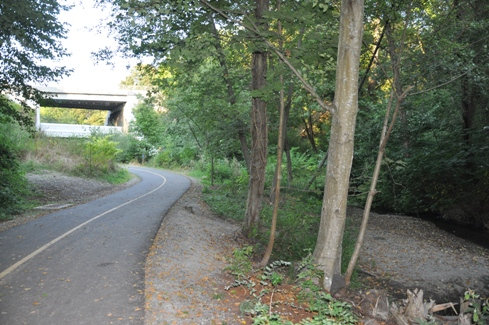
(29, 33)
(206, 73)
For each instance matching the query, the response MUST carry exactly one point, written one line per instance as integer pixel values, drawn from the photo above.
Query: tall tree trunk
(259, 132)
(384, 137)
(327, 253)
(230, 91)
(309, 128)
(278, 167)
(394, 51)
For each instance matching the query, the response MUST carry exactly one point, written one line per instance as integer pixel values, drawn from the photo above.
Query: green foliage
(172, 156)
(100, 155)
(327, 309)
(477, 306)
(13, 185)
(29, 32)
(228, 197)
(73, 116)
(271, 275)
(299, 214)
(71, 156)
(11, 112)
(132, 148)
(308, 276)
(226, 201)
(147, 123)
(117, 176)
(331, 311)
(240, 264)
(436, 160)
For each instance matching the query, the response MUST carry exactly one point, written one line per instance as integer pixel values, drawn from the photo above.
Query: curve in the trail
(84, 265)
(54, 241)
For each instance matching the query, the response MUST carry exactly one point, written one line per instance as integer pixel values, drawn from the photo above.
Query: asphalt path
(85, 265)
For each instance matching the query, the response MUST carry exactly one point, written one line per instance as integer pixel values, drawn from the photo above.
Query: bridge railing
(75, 130)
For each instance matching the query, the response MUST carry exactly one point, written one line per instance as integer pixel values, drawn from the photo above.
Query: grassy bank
(94, 158)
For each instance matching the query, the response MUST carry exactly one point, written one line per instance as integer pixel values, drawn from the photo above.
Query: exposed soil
(406, 252)
(185, 275)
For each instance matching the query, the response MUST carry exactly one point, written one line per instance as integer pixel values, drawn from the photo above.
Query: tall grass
(60, 154)
(94, 157)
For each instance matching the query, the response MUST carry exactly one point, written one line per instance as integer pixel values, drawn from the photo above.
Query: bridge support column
(38, 117)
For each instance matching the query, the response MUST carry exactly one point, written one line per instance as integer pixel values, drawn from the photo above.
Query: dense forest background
(436, 161)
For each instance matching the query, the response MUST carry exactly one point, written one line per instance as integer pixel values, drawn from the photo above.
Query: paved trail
(85, 265)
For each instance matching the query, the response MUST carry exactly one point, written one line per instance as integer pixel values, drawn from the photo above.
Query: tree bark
(259, 131)
(327, 253)
(309, 128)
(278, 167)
(384, 137)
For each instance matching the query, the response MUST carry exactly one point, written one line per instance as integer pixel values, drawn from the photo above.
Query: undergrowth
(316, 306)
(298, 217)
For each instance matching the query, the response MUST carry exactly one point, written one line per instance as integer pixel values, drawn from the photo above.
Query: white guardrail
(75, 130)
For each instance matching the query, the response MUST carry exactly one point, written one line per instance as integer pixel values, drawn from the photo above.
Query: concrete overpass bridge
(119, 106)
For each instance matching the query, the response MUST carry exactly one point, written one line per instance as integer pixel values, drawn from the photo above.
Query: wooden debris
(444, 306)
(414, 309)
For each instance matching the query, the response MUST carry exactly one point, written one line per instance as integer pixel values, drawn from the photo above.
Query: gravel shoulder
(185, 276)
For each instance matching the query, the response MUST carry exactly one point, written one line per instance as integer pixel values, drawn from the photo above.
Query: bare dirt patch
(403, 252)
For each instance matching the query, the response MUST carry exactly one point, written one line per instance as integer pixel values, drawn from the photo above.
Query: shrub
(132, 148)
(240, 264)
(100, 155)
(173, 156)
(12, 181)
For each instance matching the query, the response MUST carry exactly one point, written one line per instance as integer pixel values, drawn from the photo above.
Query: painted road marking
(11, 268)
